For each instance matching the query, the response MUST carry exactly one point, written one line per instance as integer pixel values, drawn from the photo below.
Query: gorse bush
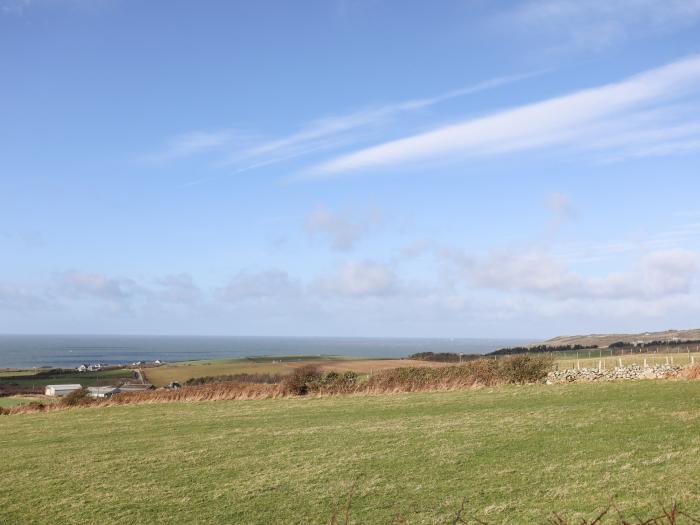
(78, 397)
(303, 380)
(517, 369)
(266, 379)
(335, 383)
(310, 380)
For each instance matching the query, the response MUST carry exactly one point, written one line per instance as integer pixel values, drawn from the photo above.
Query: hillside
(603, 340)
(516, 454)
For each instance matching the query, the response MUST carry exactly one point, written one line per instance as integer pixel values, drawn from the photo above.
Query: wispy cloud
(318, 135)
(360, 279)
(192, 143)
(20, 7)
(342, 230)
(595, 24)
(568, 120)
(314, 136)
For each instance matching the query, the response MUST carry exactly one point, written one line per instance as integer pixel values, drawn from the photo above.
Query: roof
(65, 387)
(102, 389)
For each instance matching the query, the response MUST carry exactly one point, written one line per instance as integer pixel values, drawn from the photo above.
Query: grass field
(515, 453)
(13, 401)
(570, 360)
(104, 377)
(181, 372)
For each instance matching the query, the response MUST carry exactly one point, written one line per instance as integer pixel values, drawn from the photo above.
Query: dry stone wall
(612, 374)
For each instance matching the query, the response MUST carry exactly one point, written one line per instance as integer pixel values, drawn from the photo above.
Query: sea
(29, 351)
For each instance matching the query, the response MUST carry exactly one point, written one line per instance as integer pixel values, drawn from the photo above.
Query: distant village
(139, 385)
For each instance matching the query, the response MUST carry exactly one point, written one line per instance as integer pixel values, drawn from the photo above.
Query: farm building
(102, 391)
(128, 387)
(61, 390)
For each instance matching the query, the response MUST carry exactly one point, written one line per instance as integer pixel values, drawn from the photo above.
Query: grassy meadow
(13, 401)
(516, 453)
(613, 358)
(27, 379)
(182, 371)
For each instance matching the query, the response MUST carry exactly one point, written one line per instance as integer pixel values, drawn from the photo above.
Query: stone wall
(612, 374)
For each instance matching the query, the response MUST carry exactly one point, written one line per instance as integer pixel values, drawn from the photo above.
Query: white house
(82, 368)
(102, 391)
(60, 390)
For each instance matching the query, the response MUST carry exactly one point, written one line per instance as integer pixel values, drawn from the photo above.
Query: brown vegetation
(269, 379)
(310, 380)
(692, 373)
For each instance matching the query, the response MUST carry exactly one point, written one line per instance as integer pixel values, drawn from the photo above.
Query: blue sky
(473, 168)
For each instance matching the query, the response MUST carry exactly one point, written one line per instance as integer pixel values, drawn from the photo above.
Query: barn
(102, 391)
(61, 390)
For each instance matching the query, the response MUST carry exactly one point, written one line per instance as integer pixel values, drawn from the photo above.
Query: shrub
(335, 383)
(303, 380)
(516, 369)
(266, 379)
(78, 397)
(692, 373)
(525, 368)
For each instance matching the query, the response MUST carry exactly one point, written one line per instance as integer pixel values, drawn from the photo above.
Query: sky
(349, 168)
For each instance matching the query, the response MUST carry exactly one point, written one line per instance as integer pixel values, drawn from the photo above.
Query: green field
(181, 372)
(13, 401)
(515, 453)
(591, 358)
(27, 379)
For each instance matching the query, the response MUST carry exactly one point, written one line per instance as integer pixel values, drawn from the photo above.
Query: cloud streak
(315, 137)
(597, 24)
(193, 143)
(562, 121)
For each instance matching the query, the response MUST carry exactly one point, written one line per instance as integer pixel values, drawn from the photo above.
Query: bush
(516, 369)
(525, 368)
(335, 383)
(265, 379)
(78, 397)
(303, 380)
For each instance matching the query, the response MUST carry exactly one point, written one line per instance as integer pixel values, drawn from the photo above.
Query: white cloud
(538, 272)
(342, 231)
(264, 285)
(17, 298)
(360, 279)
(596, 24)
(658, 275)
(562, 208)
(316, 136)
(193, 143)
(178, 288)
(20, 7)
(96, 285)
(569, 120)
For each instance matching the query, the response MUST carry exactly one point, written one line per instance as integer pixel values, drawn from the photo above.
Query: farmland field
(181, 372)
(12, 401)
(515, 453)
(26, 379)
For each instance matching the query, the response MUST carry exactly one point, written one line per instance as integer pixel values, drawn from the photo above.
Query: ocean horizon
(29, 351)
